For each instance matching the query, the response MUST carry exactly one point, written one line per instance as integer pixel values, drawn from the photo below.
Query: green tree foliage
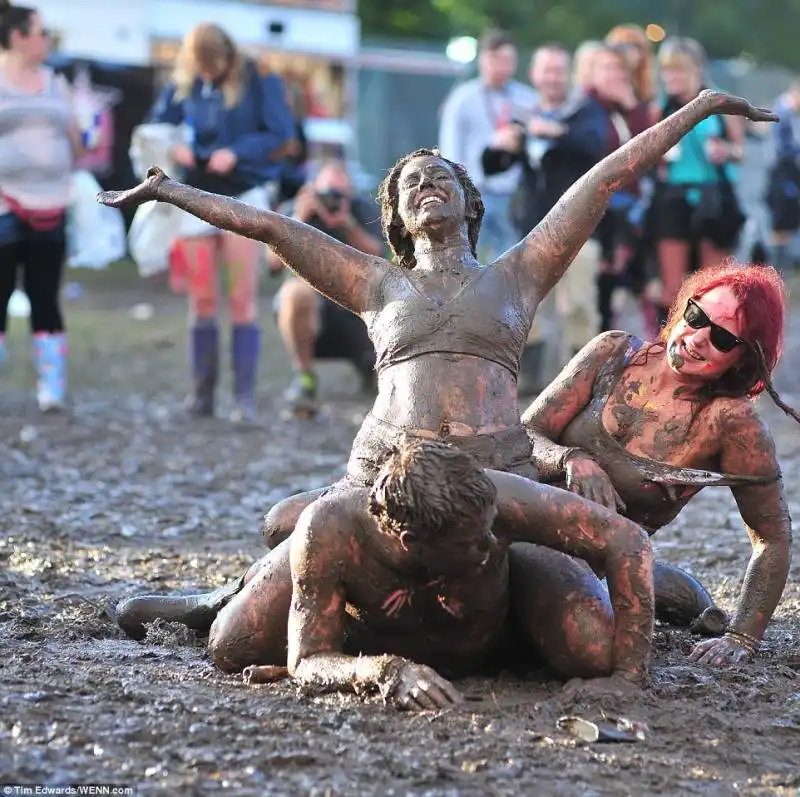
(765, 29)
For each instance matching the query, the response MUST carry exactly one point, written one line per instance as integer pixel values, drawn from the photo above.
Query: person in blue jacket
(236, 126)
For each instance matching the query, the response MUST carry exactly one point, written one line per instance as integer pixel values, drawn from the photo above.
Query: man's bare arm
(316, 626)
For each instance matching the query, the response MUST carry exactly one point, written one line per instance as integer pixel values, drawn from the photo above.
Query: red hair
(762, 298)
(643, 75)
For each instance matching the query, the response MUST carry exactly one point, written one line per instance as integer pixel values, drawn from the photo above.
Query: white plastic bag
(95, 232)
(152, 232)
(151, 145)
(151, 237)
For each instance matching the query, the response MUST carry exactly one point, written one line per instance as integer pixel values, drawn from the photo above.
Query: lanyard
(504, 117)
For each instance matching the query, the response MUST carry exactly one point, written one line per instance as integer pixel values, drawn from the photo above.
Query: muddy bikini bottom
(509, 450)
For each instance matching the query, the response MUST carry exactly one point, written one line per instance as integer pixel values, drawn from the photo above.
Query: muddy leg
(563, 610)
(252, 627)
(280, 521)
(682, 600)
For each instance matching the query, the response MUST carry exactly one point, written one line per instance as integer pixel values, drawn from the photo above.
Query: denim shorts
(14, 231)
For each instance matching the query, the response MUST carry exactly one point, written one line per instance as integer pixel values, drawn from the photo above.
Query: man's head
(437, 501)
(497, 57)
(550, 72)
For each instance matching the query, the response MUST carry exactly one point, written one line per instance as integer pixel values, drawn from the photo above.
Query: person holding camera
(311, 326)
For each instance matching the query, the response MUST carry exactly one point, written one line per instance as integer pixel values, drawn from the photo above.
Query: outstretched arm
(749, 450)
(316, 628)
(339, 271)
(530, 512)
(544, 254)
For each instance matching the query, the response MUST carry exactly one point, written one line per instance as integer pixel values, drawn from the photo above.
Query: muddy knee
(585, 649)
(222, 646)
(561, 607)
(280, 521)
(278, 524)
(252, 628)
(237, 639)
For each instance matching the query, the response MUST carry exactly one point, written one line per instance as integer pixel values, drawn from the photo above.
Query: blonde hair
(204, 45)
(582, 63)
(681, 51)
(642, 76)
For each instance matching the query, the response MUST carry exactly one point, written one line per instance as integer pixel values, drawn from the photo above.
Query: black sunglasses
(721, 339)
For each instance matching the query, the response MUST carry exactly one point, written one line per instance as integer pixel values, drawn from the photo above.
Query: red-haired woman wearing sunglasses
(645, 426)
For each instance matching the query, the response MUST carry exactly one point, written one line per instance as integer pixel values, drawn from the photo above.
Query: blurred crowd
(222, 124)
(525, 144)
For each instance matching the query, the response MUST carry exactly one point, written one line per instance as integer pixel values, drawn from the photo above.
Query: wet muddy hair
(762, 298)
(389, 200)
(426, 488)
(13, 18)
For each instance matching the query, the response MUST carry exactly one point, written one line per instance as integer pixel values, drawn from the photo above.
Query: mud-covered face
(709, 319)
(462, 547)
(429, 194)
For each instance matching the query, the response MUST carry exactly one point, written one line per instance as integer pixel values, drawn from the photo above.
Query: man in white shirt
(474, 115)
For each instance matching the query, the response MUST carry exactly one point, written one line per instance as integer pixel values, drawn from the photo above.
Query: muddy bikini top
(485, 318)
(638, 479)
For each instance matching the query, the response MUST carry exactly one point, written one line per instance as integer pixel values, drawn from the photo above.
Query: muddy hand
(420, 688)
(613, 686)
(146, 191)
(738, 106)
(587, 479)
(722, 651)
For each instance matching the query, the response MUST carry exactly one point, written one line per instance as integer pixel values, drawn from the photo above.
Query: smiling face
(681, 76)
(690, 352)
(611, 74)
(429, 194)
(550, 73)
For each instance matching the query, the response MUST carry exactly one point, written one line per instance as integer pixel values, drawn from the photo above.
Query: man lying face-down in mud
(411, 579)
(448, 334)
(416, 574)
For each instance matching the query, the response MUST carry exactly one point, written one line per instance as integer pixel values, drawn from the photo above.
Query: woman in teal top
(697, 214)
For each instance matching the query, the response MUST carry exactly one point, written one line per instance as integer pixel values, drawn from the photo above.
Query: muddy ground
(126, 494)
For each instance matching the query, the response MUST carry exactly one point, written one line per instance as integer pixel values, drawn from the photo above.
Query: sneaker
(302, 391)
(243, 412)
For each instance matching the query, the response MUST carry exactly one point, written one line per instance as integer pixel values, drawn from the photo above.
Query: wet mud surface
(126, 494)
